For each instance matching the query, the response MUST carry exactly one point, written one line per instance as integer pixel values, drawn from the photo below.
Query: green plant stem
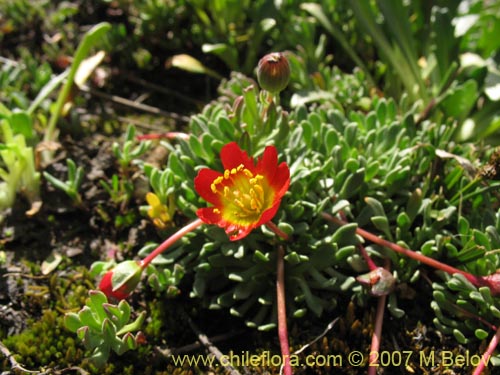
(89, 39)
(317, 11)
(460, 194)
(477, 192)
(270, 97)
(281, 306)
(478, 281)
(486, 357)
(170, 241)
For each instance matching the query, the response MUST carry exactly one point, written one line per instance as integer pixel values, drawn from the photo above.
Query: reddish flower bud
(121, 281)
(273, 72)
(380, 281)
(493, 282)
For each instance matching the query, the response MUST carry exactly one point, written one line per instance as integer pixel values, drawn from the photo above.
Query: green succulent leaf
(72, 321)
(460, 337)
(89, 318)
(481, 334)
(96, 301)
(134, 326)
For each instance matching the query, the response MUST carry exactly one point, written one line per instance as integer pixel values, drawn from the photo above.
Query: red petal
(281, 180)
(232, 156)
(207, 215)
(241, 233)
(234, 231)
(267, 215)
(202, 184)
(278, 176)
(267, 163)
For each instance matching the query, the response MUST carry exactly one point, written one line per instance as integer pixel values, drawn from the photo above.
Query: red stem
(170, 241)
(486, 357)
(476, 280)
(280, 300)
(168, 135)
(377, 335)
(277, 230)
(369, 261)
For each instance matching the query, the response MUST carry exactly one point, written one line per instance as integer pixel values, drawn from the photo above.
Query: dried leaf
(87, 67)
(190, 64)
(51, 263)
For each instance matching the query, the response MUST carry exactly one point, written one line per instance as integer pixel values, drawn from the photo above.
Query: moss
(38, 346)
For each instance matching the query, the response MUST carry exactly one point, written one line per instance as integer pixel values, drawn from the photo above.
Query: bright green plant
(17, 122)
(72, 184)
(17, 170)
(104, 327)
(162, 275)
(129, 151)
(120, 187)
(120, 192)
(475, 24)
(89, 40)
(161, 204)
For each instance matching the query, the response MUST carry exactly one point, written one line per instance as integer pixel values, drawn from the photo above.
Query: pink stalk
(485, 359)
(377, 335)
(277, 230)
(369, 261)
(170, 241)
(280, 300)
(478, 281)
(168, 135)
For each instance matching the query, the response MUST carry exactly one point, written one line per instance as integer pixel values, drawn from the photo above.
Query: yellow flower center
(244, 196)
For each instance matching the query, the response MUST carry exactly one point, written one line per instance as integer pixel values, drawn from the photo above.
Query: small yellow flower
(161, 214)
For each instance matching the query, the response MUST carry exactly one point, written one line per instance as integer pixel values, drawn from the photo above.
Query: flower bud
(493, 282)
(121, 281)
(273, 72)
(380, 281)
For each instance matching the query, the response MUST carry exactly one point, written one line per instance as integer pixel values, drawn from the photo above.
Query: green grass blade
(90, 39)
(316, 11)
(393, 55)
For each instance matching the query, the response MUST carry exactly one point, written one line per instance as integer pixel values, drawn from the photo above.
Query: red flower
(246, 195)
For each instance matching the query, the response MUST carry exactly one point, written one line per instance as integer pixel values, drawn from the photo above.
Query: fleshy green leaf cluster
(72, 184)
(104, 327)
(463, 310)
(129, 151)
(17, 169)
(375, 165)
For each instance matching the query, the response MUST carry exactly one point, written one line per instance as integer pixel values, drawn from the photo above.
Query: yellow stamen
(244, 196)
